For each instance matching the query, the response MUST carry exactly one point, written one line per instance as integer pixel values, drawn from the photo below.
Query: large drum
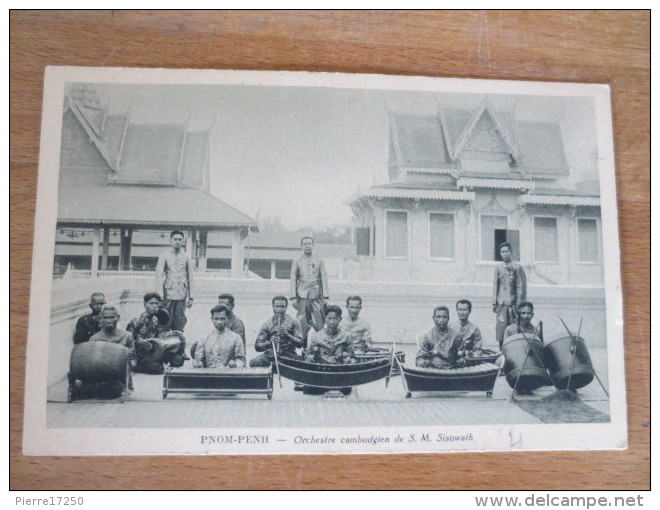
(564, 357)
(102, 369)
(524, 362)
(99, 362)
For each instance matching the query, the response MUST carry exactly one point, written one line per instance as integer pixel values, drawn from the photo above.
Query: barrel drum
(99, 362)
(561, 362)
(98, 370)
(161, 349)
(527, 369)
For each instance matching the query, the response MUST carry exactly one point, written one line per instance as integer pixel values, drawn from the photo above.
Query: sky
(301, 153)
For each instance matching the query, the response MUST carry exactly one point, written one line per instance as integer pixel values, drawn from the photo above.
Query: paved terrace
(369, 405)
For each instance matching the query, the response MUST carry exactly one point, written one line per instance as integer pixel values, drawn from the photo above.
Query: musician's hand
(281, 331)
(143, 344)
(164, 302)
(190, 302)
(494, 308)
(232, 364)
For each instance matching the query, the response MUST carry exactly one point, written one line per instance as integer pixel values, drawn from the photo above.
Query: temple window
(396, 234)
(441, 236)
(545, 239)
(587, 231)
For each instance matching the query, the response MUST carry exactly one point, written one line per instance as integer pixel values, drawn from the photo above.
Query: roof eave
(117, 223)
(394, 193)
(558, 200)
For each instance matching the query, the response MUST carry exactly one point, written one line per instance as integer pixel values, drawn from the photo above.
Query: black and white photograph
(244, 262)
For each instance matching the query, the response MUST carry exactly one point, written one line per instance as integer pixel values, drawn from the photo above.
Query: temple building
(125, 184)
(463, 181)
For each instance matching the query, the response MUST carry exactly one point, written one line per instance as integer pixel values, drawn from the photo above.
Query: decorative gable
(485, 142)
(487, 136)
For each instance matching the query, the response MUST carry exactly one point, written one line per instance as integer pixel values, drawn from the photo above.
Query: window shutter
(397, 234)
(513, 237)
(587, 240)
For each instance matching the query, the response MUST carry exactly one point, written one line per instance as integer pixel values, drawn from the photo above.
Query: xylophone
(219, 381)
(472, 378)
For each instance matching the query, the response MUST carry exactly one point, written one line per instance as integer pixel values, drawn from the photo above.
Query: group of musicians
(318, 330)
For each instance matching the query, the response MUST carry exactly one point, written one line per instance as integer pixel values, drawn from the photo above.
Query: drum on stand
(522, 367)
(568, 359)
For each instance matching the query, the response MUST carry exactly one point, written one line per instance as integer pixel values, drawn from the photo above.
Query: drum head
(163, 317)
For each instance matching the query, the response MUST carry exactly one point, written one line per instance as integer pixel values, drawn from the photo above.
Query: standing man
(309, 287)
(469, 331)
(509, 291)
(234, 323)
(174, 278)
(439, 347)
(90, 324)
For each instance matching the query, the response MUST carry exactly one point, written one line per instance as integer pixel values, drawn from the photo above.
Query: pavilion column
(471, 239)
(571, 248)
(125, 243)
(106, 248)
(191, 245)
(273, 270)
(237, 254)
(95, 252)
(203, 243)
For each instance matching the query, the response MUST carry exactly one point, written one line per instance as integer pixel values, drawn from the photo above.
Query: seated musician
(111, 333)
(234, 322)
(469, 331)
(147, 327)
(221, 348)
(280, 331)
(439, 347)
(358, 329)
(90, 324)
(331, 345)
(524, 325)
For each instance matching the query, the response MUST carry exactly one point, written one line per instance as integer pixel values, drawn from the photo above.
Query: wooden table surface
(582, 46)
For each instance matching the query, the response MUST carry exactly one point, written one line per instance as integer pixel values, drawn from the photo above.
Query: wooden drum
(527, 369)
(102, 369)
(99, 362)
(564, 357)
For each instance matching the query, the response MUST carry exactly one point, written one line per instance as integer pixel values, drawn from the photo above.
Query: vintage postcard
(231, 262)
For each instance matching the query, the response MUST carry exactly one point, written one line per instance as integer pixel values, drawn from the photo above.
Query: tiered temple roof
(118, 172)
(445, 156)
